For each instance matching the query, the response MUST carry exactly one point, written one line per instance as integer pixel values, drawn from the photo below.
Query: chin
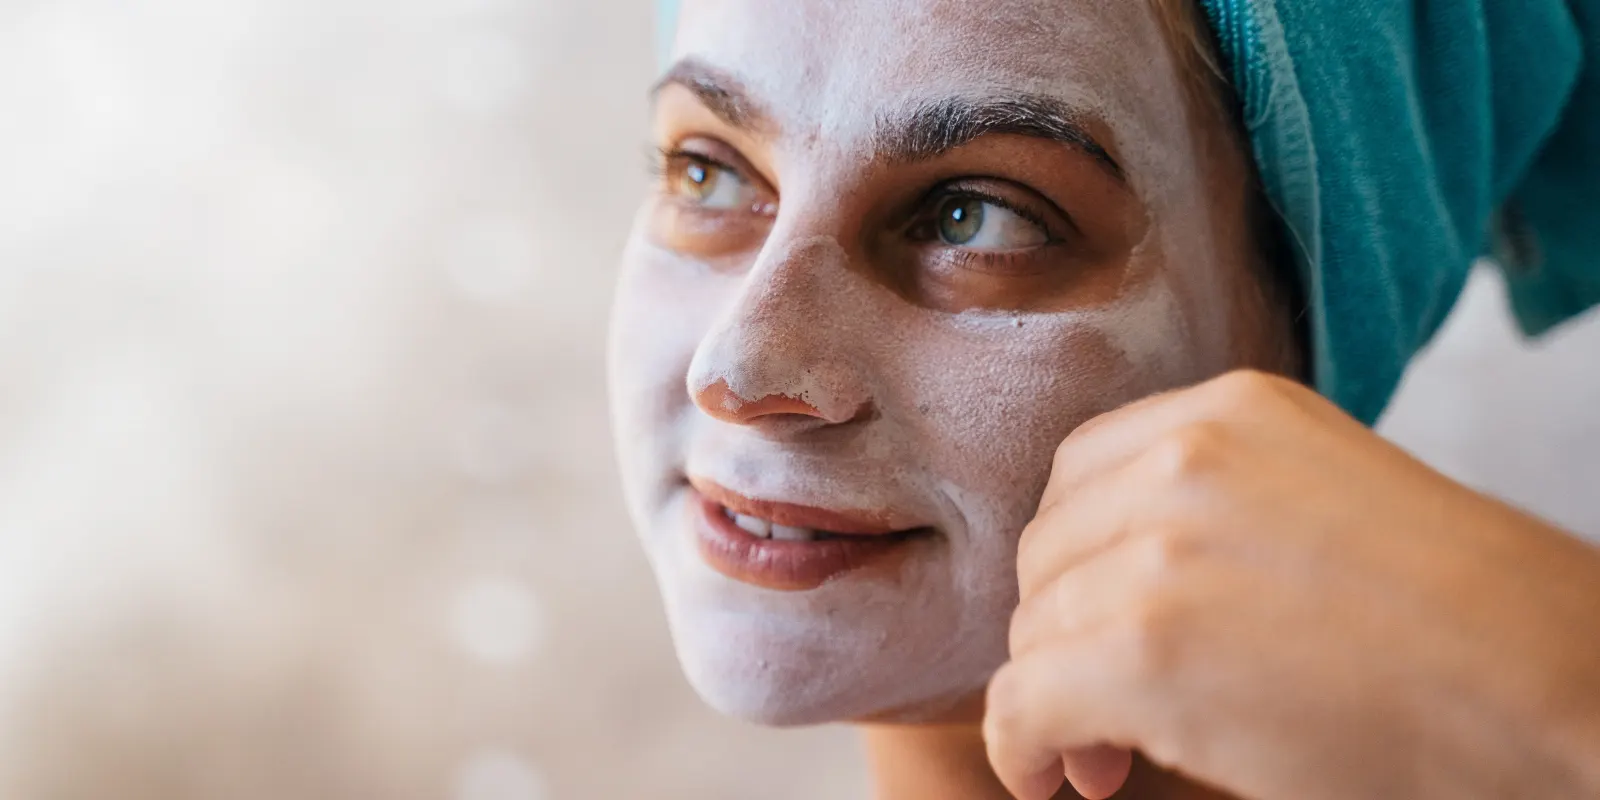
(775, 703)
(786, 699)
(749, 668)
(788, 670)
(904, 646)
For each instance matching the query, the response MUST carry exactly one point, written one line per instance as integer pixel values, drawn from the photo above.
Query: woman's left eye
(977, 224)
(709, 185)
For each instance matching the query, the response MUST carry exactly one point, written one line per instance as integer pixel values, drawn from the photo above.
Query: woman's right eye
(707, 184)
(708, 206)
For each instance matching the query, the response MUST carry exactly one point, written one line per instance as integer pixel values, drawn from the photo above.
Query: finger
(1106, 441)
(1062, 699)
(1083, 520)
(1238, 401)
(1088, 595)
(1097, 772)
(1129, 503)
(1069, 534)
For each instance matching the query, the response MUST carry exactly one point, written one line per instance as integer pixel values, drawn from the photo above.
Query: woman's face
(898, 250)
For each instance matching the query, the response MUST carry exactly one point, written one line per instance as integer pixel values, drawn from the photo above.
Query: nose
(784, 356)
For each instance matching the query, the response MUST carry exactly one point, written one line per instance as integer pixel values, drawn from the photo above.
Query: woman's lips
(839, 523)
(817, 546)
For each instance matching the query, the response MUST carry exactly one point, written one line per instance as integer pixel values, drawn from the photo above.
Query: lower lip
(784, 566)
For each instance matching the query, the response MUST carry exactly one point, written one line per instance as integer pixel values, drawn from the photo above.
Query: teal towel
(1399, 140)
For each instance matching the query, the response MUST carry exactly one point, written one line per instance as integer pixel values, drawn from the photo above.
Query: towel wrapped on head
(1400, 140)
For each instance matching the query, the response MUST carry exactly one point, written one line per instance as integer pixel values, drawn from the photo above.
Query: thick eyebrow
(720, 92)
(932, 128)
(925, 131)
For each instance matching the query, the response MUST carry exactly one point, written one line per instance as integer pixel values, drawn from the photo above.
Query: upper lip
(844, 522)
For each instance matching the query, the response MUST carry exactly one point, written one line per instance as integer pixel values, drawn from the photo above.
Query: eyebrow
(933, 128)
(718, 91)
(926, 131)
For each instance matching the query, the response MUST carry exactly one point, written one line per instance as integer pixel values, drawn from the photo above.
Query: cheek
(994, 415)
(661, 311)
(992, 405)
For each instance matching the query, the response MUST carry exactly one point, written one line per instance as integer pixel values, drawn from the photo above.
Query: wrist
(1542, 670)
(1577, 734)
(1570, 686)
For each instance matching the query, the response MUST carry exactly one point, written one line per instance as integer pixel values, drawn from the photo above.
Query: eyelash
(935, 198)
(662, 157)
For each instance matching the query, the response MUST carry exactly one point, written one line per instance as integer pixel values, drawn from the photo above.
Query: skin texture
(1253, 589)
(808, 341)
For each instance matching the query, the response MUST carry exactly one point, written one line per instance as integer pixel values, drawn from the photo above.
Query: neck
(943, 759)
(948, 761)
(930, 762)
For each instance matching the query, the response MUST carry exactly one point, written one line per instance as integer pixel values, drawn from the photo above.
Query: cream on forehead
(828, 69)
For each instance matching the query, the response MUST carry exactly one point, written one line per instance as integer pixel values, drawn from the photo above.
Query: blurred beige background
(305, 485)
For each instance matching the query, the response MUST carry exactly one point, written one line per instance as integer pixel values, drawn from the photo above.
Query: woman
(939, 307)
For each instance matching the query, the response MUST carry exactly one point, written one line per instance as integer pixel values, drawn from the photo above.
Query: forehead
(828, 67)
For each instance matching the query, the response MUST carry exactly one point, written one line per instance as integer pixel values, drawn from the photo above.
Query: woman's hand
(1253, 589)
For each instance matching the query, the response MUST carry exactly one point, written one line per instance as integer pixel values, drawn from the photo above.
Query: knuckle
(1192, 450)
(1024, 629)
(1151, 637)
(1245, 388)
(1004, 702)
(1149, 645)
(1165, 554)
(1040, 617)
(1034, 532)
(1056, 608)
(1030, 545)
(1017, 635)
(1065, 450)
(1091, 424)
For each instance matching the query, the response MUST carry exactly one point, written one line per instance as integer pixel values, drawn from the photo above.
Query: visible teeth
(788, 534)
(755, 525)
(766, 529)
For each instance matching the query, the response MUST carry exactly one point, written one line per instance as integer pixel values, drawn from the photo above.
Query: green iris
(960, 219)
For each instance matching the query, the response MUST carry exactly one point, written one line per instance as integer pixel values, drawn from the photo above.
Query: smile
(767, 529)
(788, 547)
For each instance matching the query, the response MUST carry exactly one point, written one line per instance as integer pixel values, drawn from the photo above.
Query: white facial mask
(967, 408)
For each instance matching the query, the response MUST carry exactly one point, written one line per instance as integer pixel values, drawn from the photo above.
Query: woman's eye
(978, 224)
(709, 186)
